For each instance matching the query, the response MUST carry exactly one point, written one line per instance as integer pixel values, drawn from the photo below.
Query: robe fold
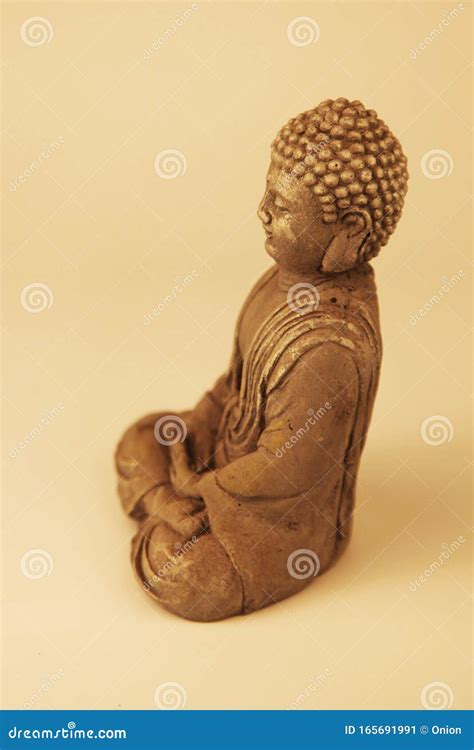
(258, 507)
(288, 426)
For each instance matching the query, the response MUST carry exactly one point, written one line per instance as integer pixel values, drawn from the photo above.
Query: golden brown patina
(247, 497)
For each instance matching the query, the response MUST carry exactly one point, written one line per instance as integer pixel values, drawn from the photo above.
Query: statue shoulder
(258, 286)
(264, 279)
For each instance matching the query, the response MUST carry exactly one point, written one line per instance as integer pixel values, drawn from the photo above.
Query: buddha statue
(248, 497)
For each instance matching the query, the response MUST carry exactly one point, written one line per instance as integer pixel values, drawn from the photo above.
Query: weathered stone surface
(245, 499)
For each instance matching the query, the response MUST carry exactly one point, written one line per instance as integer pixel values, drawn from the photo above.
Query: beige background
(111, 239)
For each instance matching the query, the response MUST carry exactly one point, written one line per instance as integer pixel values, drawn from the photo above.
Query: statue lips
(268, 236)
(270, 248)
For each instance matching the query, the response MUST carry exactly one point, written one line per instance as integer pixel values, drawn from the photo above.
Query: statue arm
(308, 423)
(212, 403)
(203, 422)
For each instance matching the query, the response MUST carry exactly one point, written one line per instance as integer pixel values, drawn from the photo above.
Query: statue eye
(281, 208)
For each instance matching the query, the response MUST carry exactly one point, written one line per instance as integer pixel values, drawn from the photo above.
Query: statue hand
(187, 515)
(202, 444)
(183, 478)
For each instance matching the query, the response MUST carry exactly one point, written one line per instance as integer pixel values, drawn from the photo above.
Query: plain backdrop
(110, 240)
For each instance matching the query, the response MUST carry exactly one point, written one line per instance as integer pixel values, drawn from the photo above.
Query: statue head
(335, 188)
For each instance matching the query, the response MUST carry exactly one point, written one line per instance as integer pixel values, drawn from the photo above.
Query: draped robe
(282, 483)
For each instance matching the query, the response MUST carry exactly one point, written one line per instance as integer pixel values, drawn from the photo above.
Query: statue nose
(263, 214)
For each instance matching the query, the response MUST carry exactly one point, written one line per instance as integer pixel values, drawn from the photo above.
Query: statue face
(291, 215)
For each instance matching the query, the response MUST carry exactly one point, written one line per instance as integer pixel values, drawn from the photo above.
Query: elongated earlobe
(345, 248)
(339, 256)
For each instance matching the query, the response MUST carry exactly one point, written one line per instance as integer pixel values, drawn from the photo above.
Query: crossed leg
(175, 555)
(191, 576)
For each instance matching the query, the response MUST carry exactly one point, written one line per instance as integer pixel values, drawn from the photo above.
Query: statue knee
(142, 464)
(136, 442)
(192, 577)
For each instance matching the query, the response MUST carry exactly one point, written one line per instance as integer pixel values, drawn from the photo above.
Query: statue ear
(345, 247)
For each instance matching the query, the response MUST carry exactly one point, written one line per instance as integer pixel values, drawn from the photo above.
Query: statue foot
(191, 576)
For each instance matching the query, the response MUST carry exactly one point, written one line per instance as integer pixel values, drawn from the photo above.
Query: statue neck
(287, 279)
